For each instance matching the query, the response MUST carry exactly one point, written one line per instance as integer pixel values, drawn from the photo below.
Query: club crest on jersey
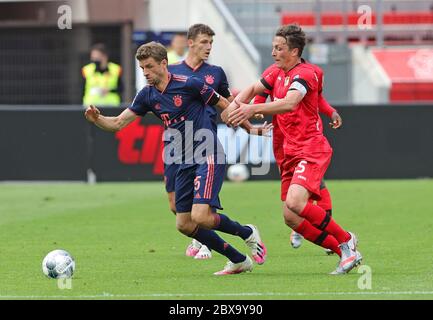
(209, 79)
(286, 81)
(157, 106)
(177, 99)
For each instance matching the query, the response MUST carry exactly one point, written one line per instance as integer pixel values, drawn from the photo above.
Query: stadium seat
(337, 18)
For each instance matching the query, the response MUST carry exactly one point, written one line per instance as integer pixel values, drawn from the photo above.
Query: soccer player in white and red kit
(307, 153)
(278, 139)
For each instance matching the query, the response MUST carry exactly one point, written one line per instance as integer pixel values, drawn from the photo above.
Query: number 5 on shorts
(197, 183)
(301, 166)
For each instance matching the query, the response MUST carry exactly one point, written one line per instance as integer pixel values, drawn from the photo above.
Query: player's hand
(92, 113)
(265, 129)
(241, 114)
(337, 122)
(225, 114)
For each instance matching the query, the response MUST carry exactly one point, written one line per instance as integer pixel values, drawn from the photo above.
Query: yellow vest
(97, 81)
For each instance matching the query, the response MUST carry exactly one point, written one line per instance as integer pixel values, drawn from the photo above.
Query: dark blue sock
(213, 241)
(224, 224)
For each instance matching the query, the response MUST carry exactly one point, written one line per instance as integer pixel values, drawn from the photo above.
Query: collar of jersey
(169, 80)
(193, 69)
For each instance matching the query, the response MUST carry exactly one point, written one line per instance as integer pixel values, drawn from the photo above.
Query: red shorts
(306, 170)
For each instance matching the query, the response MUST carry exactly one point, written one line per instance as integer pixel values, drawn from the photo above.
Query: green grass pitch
(125, 244)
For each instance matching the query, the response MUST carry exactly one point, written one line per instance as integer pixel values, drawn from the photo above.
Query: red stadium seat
(337, 18)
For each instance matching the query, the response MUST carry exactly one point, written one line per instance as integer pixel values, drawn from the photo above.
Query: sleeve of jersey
(301, 85)
(140, 106)
(207, 94)
(268, 78)
(223, 88)
(325, 107)
(261, 98)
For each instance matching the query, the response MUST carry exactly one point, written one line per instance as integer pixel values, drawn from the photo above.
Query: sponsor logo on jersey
(302, 177)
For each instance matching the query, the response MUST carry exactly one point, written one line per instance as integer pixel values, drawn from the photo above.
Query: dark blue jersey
(181, 106)
(213, 76)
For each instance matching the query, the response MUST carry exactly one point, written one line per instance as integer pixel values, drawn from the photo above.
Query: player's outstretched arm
(287, 104)
(330, 112)
(245, 95)
(111, 124)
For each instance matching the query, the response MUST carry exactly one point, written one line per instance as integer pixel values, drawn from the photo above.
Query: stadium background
(378, 76)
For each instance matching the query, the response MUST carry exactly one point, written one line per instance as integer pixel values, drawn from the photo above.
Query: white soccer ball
(238, 172)
(58, 264)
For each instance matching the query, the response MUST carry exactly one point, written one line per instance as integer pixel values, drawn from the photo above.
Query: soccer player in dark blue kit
(180, 102)
(200, 40)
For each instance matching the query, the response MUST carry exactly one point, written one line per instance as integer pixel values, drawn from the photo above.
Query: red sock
(319, 237)
(325, 203)
(318, 218)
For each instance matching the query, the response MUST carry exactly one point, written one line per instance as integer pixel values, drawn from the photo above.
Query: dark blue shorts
(200, 183)
(170, 171)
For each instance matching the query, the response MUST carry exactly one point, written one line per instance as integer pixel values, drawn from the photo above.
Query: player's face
(153, 71)
(284, 57)
(201, 46)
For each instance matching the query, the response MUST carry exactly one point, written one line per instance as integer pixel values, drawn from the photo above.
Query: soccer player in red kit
(324, 107)
(307, 153)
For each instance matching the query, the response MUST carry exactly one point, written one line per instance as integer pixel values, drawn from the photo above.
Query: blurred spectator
(178, 48)
(102, 79)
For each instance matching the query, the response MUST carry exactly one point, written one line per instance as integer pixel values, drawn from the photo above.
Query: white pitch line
(246, 294)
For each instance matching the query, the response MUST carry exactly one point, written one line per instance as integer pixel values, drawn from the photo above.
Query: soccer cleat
(203, 253)
(193, 248)
(234, 268)
(350, 256)
(296, 239)
(258, 249)
(340, 270)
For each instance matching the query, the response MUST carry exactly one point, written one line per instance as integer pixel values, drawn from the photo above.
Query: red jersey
(301, 127)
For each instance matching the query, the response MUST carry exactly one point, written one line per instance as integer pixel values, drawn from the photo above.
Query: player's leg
(208, 183)
(305, 184)
(188, 226)
(172, 202)
(297, 196)
(325, 203)
(170, 171)
(194, 248)
(286, 174)
(237, 263)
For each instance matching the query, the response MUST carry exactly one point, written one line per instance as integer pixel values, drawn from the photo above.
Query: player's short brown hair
(294, 36)
(153, 50)
(199, 28)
